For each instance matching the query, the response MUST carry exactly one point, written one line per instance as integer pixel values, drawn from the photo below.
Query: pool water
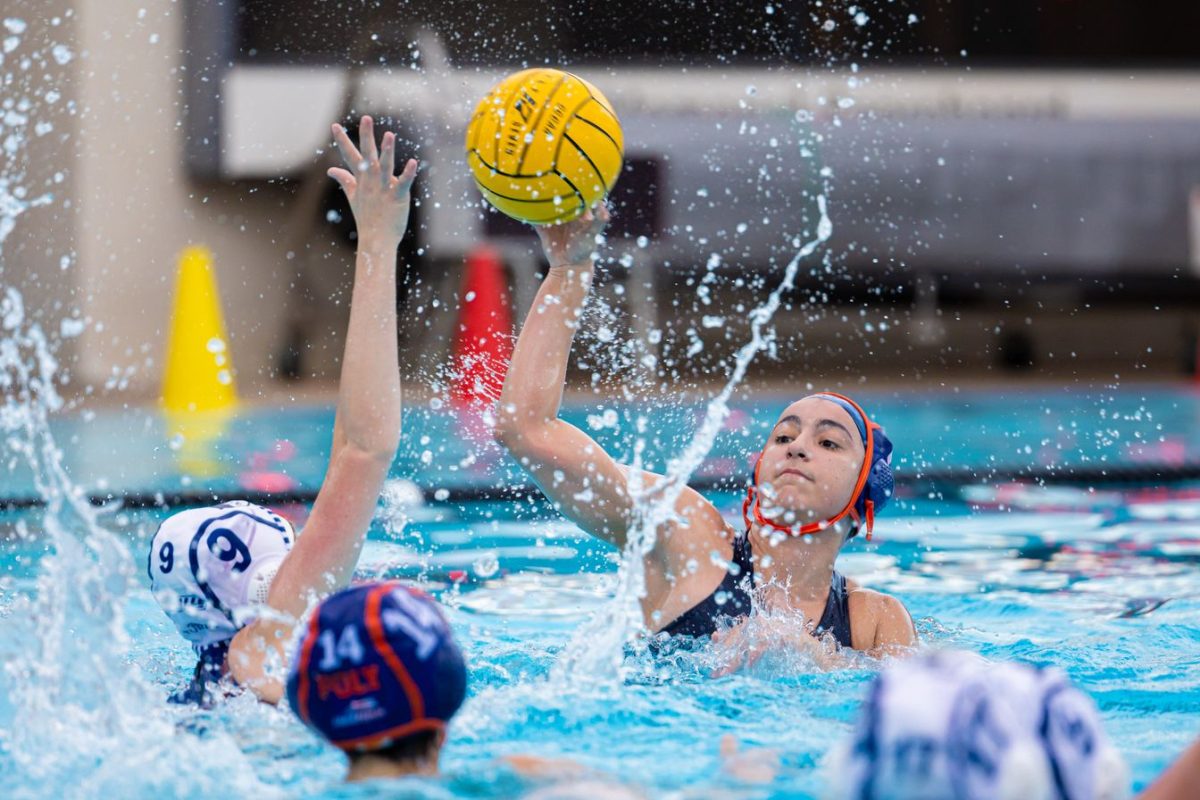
(1103, 583)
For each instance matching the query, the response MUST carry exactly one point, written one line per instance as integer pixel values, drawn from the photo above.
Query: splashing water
(76, 718)
(596, 651)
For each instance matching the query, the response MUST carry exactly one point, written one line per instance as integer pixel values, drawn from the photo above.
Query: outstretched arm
(367, 423)
(582, 480)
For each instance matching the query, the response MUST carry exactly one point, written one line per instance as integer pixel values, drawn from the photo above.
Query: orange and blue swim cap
(377, 663)
(879, 483)
(872, 491)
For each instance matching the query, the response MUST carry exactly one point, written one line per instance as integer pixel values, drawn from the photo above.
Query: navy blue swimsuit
(732, 599)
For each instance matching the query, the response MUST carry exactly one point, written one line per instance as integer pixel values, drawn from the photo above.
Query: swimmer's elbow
(374, 452)
(506, 431)
(514, 434)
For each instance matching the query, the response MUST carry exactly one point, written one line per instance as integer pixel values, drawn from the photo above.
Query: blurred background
(1014, 187)
(1011, 284)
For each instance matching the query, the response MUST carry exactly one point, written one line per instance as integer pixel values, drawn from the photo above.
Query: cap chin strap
(752, 505)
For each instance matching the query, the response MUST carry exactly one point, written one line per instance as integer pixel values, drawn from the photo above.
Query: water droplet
(486, 565)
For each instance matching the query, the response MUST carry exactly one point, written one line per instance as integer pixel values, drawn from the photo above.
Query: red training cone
(483, 340)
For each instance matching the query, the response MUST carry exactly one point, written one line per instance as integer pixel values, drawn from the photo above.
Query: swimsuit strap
(734, 591)
(836, 617)
(743, 557)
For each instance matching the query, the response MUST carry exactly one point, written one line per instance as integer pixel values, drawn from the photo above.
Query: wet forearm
(534, 384)
(369, 391)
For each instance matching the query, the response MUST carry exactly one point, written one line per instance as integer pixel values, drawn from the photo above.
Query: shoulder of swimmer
(681, 566)
(698, 532)
(879, 623)
(695, 527)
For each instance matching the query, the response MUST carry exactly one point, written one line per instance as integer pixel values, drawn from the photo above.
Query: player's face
(811, 462)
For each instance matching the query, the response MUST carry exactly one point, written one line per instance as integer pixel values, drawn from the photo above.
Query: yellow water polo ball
(544, 145)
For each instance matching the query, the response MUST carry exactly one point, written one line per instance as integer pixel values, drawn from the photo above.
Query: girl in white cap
(234, 578)
(952, 726)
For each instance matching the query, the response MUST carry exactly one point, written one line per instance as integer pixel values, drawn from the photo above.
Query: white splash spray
(77, 719)
(596, 651)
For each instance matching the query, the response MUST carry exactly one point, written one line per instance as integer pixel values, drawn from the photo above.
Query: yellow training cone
(195, 438)
(199, 374)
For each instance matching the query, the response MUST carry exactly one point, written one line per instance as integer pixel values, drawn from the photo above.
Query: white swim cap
(210, 567)
(951, 726)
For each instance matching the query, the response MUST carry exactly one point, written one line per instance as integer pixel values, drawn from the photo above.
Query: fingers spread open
(387, 157)
(407, 175)
(350, 155)
(366, 141)
(343, 178)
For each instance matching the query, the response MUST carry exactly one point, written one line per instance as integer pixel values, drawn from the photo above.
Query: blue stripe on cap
(859, 422)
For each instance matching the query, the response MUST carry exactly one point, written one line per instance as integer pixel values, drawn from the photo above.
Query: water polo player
(820, 479)
(379, 675)
(952, 726)
(234, 578)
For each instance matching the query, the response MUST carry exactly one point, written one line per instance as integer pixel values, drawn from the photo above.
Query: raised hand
(573, 242)
(379, 199)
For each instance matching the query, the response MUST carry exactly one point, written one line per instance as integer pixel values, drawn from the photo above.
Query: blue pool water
(1055, 575)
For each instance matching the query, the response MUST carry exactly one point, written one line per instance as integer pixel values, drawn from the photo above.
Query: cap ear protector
(210, 568)
(872, 491)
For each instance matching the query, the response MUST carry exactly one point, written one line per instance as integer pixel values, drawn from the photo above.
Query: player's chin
(797, 496)
(800, 507)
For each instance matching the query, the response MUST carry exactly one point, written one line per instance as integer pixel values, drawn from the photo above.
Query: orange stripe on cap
(374, 623)
(752, 502)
